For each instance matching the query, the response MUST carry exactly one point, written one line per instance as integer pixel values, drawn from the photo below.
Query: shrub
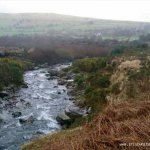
(118, 50)
(79, 80)
(115, 88)
(103, 81)
(89, 64)
(11, 72)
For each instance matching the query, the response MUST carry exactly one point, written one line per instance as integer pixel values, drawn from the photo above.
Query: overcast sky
(135, 10)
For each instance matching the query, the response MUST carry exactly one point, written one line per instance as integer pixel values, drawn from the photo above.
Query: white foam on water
(50, 92)
(18, 124)
(42, 75)
(43, 106)
(44, 115)
(53, 125)
(26, 116)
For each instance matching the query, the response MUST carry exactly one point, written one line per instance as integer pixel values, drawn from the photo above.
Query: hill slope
(62, 25)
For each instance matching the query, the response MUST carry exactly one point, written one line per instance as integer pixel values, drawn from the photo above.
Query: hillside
(75, 27)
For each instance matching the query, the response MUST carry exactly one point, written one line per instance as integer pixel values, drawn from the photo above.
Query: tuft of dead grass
(124, 123)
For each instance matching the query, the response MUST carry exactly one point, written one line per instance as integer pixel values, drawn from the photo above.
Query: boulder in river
(75, 112)
(24, 85)
(63, 119)
(62, 82)
(27, 119)
(28, 104)
(55, 86)
(53, 72)
(59, 92)
(3, 94)
(16, 114)
(71, 92)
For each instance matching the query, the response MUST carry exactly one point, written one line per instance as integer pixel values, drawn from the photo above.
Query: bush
(89, 64)
(95, 97)
(115, 88)
(11, 72)
(79, 80)
(118, 50)
(103, 81)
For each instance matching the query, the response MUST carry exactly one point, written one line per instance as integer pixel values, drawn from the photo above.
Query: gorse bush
(89, 64)
(11, 72)
(94, 79)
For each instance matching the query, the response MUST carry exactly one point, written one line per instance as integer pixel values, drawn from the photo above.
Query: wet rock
(16, 114)
(55, 86)
(42, 71)
(58, 92)
(28, 104)
(62, 82)
(2, 147)
(71, 98)
(24, 85)
(39, 132)
(89, 110)
(19, 104)
(3, 94)
(53, 72)
(71, 92)
(63, 119)
(22, 100)
(64, 90)
(1, 120)
(70, 84)
(49, 78)
(10, 88)
(74, 112)
(27, 120)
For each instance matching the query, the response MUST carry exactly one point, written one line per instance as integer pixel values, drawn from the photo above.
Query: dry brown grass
(122, 123)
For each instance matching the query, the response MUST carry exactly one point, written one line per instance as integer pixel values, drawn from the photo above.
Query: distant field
(76, 27)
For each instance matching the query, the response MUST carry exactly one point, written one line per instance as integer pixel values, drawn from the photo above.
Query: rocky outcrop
(63, 119)
(75, 112)
(70, 114)
(3, 94)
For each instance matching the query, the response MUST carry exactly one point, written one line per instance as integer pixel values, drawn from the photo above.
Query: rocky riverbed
(32, 110)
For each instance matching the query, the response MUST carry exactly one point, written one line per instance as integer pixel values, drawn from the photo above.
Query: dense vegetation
(11, 72)
(94, 79)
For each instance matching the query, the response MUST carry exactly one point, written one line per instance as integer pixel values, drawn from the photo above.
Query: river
(42, 101)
